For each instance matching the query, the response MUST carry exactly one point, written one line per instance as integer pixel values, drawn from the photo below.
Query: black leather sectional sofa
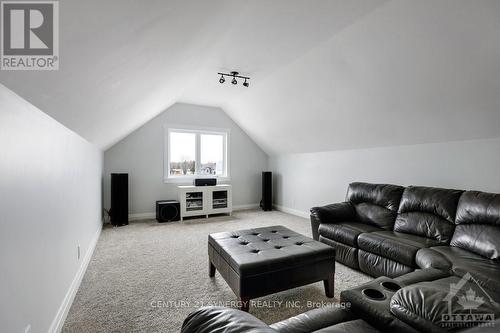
(435, 253)
(388, 230)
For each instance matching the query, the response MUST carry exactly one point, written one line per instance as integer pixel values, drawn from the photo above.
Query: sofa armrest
(227, 320)
(421, 275)
(428, 258)
(337, 212)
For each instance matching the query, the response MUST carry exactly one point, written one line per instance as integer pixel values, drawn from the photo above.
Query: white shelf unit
(205, 200)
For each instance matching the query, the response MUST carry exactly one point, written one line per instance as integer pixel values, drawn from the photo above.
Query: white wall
(141, 156)
(50, 202)
(302, 181)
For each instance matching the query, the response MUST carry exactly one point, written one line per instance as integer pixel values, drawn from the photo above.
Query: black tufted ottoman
(262, 261)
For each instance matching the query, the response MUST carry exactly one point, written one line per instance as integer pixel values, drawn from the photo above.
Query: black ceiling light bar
(234, 75)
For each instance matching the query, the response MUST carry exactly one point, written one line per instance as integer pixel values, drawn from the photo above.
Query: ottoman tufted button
(299, 243)
(244, 243)
(278, 247)
(265, 240)
(273, 231)
(255, 251)
(285, 237)
(255, 233)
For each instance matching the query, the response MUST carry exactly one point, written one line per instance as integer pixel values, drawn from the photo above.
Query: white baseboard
(62, 313)
(245, 207)
(152, 215)
(292, 211)
(141, 216)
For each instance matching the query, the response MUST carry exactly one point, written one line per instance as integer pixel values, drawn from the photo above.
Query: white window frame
(188, 179)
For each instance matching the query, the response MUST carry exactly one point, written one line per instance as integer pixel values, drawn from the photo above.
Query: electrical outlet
(78, 252)
(27, 329)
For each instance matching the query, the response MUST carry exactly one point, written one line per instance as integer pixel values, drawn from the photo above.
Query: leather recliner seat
(380, 228)
(368, 208)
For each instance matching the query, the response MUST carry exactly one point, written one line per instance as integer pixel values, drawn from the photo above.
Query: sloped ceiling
(326, 74)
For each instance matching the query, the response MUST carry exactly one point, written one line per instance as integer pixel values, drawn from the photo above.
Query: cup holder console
(378, 295)
(371, 302)
(391, 286)
(374, 294)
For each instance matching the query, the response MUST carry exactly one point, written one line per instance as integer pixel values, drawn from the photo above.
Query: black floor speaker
(267, 191)
(119, 199)
(168, 211)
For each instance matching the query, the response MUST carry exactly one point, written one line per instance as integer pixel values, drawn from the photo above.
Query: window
(195, 153)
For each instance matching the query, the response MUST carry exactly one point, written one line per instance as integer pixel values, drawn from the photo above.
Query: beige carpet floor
(147, 276)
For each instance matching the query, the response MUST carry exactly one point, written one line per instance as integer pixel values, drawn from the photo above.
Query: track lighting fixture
(234, 81)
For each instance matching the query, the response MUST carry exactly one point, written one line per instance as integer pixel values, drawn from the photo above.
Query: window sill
(190, 180)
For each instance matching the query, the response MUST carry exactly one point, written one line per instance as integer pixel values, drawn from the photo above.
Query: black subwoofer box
(168, 211)
(119, 199)
(267, 191)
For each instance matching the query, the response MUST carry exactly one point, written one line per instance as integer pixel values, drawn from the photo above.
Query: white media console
(205, 200)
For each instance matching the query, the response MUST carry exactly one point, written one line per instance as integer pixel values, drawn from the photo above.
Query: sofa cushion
(346, 232)
(375, 204)
(428, 212)
(397, 246)
(481, 239)
(485, 271)
(478, 224)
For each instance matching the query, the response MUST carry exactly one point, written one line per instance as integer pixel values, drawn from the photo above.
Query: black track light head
(222, 79)
(234, 74)
(246, 84)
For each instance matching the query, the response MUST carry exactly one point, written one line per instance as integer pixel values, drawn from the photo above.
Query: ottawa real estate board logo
(29, 35)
